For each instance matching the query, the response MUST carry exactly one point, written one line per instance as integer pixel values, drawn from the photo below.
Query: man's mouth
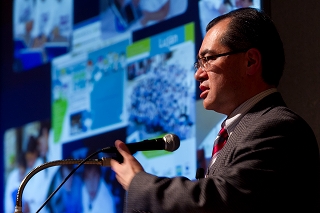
(204, 90)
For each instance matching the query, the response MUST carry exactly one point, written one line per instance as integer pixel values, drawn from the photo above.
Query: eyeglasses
(203, 62)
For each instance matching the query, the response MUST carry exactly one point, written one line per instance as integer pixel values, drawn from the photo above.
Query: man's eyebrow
(204, 52)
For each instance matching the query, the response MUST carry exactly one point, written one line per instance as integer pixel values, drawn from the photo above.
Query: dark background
(298, 24)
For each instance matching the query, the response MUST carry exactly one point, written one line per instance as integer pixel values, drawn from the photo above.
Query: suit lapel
(226, 153)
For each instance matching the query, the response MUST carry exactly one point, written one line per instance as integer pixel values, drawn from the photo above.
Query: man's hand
(128, 169)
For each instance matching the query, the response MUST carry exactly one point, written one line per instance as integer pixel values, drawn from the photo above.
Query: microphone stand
(101, 162)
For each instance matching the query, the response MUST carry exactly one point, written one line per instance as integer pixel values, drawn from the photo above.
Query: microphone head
(172, 142)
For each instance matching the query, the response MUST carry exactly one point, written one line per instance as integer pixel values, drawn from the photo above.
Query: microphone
(169, 142)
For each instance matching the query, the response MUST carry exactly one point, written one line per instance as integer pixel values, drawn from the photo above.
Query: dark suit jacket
(270, 163)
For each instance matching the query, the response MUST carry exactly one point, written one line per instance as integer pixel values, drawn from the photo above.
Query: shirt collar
(235, 117)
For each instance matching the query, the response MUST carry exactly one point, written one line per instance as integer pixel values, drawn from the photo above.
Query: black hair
(32, 145)
(252, 28)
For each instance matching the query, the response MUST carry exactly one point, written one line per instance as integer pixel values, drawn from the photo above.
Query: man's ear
(253, 61)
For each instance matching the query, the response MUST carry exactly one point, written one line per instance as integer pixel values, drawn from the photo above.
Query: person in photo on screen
(23, 15)
(116, 188)
(62, 21)
(244, 3)
(152, 10)
(225, 7)
(41, 181)
(270, 158)
(43, 140)
(33, 160)
(120, 16)
(68, 197)
(209, 9)
(42, 28)
(13, 182)
(32, 153)
(96, 193)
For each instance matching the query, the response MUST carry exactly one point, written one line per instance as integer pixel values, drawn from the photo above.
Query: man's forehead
(219, 29)
(212, 41)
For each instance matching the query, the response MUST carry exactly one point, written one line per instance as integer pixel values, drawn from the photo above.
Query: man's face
(221, 83)
(43, 142)
(31, 158)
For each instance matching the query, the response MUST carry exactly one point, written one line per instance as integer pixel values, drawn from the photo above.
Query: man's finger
(122, 148)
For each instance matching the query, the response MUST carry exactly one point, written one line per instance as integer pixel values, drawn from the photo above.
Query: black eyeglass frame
(205, 59)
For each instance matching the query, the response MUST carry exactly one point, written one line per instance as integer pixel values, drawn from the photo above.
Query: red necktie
(220, 141)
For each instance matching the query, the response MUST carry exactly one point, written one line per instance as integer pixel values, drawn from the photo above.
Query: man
(270, 162)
